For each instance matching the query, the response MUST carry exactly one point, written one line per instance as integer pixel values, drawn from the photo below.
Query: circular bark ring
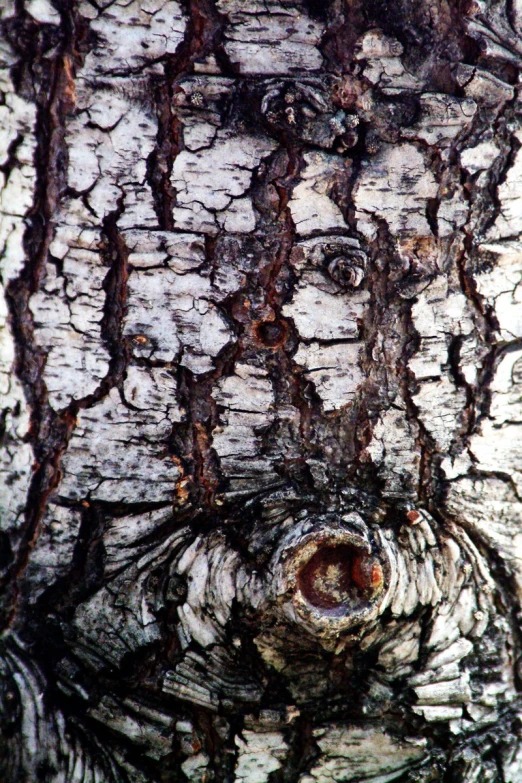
(333, 580)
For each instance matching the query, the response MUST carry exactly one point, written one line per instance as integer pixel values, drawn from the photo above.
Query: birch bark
(261, 367)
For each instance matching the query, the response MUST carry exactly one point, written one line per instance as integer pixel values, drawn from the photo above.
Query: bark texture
(261, 367)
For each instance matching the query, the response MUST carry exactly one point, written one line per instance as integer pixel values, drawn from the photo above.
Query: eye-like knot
(341, 257)
(347, 269)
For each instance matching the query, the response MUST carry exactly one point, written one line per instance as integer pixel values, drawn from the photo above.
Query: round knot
(331, 579)
(339, 576)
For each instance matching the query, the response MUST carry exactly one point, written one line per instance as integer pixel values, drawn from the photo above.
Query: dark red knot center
(337, 575)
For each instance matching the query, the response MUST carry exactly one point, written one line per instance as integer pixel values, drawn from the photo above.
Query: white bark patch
(442, 118)
(334, 370)
(509, 221)
(322, 311)
(247, 390)
(481, 157)
(353, 754)
(451, 692)
(311, 206)
(52, 555)
(414, 582)
(8, 9)
(228, 164)
(271, 38)
(169, 313)
(118, 453)
(498, 446)
(501, 286)
(483, 86)
(439, 315)
(395, 186)
(199, 105)
(453, 211)
(496, 36)
(188, 686)
(199, 135)
(259, 755)
(512, 757)
(43, 11)
(247, 398)
(452, 576)
(393, 448)
(17, 118)
(489, 507)
(109, 141)
(383, 65)
(16, 457)
(132, 34)
(210, 568)
(68, 311)
(225, 677)
(426, 570)
(440, 404)
(110, 137)
(180, 252)
(195, 768)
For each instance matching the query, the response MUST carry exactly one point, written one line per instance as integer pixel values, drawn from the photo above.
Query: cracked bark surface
(261, 375)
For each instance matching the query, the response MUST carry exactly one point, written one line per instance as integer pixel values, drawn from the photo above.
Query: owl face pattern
(280, 319)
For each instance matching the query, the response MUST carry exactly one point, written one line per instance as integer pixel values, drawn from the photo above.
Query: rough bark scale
(262, 373)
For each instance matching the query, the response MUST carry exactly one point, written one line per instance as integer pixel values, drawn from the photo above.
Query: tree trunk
(262, 367)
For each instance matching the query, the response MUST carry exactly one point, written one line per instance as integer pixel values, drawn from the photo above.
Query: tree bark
(261, 362)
